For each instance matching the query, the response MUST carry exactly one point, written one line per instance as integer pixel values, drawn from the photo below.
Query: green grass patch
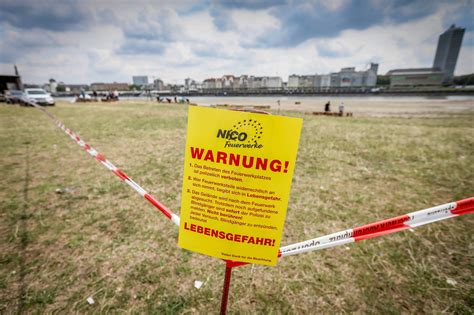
(100, 239)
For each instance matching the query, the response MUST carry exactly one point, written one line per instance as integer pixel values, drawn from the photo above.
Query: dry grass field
(100, 239)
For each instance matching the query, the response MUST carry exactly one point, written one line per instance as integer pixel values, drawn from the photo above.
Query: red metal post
(225, 290)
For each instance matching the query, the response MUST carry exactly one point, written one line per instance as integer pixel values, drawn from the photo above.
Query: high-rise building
(159, 85)
(140, 80)
(187, 82)
(449, 44)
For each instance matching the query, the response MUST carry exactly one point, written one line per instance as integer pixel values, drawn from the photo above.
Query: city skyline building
(346, 77)
(140, 80)
(447, 51)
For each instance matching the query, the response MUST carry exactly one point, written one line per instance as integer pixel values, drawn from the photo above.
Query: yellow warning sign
(238, 169)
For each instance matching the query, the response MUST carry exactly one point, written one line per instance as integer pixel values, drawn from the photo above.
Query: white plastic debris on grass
(198, 284)
(90, 300)
(64, 190)
(451, 281)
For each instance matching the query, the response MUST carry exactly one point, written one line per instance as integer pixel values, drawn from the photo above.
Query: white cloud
(334, 5)
(261, 23)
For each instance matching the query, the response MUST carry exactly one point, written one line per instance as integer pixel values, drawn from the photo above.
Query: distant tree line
(383, 80)
(467, 79)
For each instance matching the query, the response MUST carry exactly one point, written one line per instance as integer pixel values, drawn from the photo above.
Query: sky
(84, 41)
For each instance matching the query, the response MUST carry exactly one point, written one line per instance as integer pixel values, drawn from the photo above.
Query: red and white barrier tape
(403, 222)
(101, 158)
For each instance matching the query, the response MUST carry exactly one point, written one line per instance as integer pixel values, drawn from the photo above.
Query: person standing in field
(327, 107)
(341, 109)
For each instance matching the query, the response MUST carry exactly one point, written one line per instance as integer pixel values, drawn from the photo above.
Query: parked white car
(39, 96)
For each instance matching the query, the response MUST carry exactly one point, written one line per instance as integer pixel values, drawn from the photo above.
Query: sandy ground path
(370, 106)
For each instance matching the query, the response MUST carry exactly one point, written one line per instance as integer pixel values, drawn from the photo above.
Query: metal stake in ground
(225, 289)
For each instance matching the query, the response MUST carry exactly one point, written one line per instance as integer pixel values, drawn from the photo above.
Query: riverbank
(371, 106)
(361, 106)
(345, 91)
